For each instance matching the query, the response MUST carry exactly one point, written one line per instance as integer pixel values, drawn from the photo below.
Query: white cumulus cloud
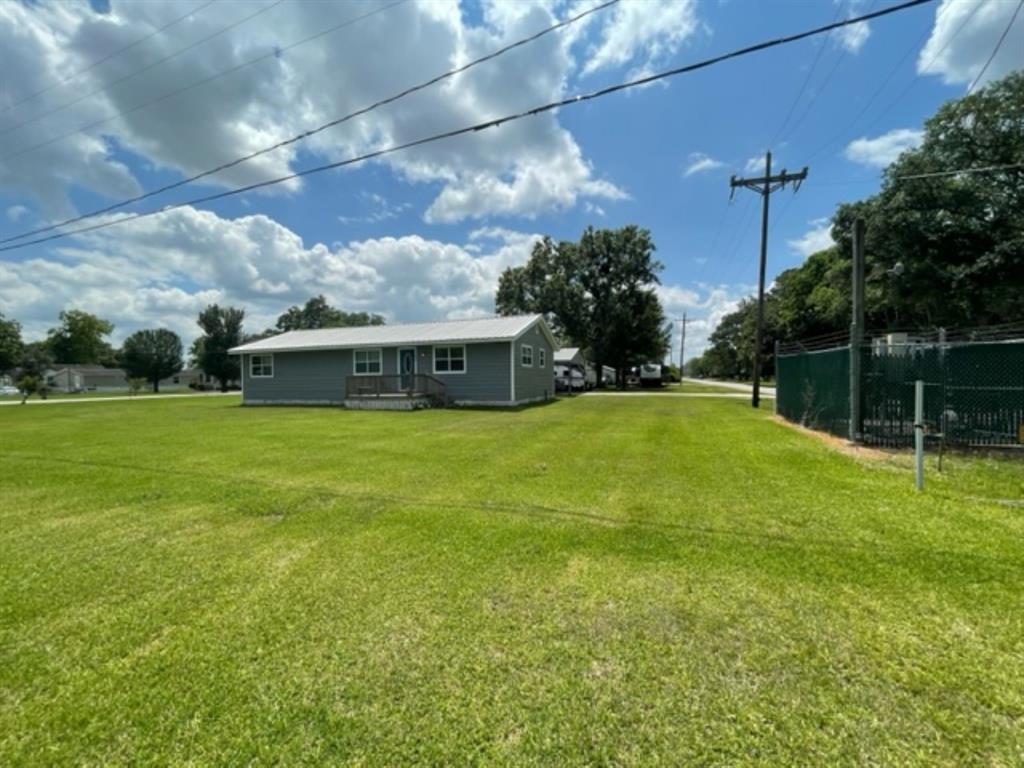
(885, 149)
(817, 238)
(521, 168)
(643, 33)
(963, 37)
(162, 270)
(698, 162)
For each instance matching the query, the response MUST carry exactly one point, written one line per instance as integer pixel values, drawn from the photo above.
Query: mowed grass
(627, 581)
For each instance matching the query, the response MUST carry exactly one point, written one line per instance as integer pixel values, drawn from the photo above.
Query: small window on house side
(542, 357)
(261, 366)
(526, 356)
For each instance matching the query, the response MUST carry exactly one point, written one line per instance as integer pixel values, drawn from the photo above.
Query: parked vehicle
(569, 378)
(6, 389)
(651, 375)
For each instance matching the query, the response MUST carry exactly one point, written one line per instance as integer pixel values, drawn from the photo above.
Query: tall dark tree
(222, 330)
(317, 313)
(152, 355)
(79, 339)
(10, 344)
(598, 294)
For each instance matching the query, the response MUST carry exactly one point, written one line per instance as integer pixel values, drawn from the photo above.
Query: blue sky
(425, 234)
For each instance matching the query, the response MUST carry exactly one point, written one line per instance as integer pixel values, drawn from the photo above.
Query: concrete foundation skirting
(387, 403)
(252, 401)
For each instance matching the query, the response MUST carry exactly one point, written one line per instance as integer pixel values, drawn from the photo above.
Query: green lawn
(56, 395)
(597, 581)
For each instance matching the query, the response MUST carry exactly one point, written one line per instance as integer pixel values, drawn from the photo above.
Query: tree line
(941, 251)
(150, 356)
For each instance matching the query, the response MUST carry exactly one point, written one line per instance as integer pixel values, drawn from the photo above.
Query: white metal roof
(567, 355)
(478, 329)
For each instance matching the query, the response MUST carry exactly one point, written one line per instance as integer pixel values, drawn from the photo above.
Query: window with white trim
(366, 362)
(542, 357)
(261, 366)
(526, 356)
(449, 359)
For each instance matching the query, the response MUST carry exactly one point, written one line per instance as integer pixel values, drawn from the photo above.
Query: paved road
(117, 398)
(652, 393)
(736, 385)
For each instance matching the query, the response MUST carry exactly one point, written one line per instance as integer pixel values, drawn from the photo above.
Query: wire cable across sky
(481, 126)
(331, 124)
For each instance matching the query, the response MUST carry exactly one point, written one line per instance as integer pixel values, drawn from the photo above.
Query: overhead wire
(1002, 39)
(323, 127)
(902, 94)
(147, 68)
(492, 123)
(273, 53)
(109, 56)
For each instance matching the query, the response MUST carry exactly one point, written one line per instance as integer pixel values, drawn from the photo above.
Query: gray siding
(486, 379)
(536, 382)
(319, 377)
(300, 377)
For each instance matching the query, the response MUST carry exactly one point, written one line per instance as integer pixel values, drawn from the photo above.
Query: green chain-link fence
(974, 391)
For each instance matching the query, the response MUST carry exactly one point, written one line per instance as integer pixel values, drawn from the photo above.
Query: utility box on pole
(856, 330)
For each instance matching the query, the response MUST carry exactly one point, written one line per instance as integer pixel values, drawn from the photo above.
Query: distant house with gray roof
(87, 378)
(494, 361)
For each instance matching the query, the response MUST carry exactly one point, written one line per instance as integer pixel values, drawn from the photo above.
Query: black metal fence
(974, 388)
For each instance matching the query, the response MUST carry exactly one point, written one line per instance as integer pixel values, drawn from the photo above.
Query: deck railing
(396, 385)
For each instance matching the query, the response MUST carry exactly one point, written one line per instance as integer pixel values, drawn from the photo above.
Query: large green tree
(222, 330)
(10, 344)
(317, 313)
(152, 355)
(597, 293)
(944, 250)
(79, 339)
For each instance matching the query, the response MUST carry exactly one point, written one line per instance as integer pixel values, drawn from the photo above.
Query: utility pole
(682, 349)
(856, 329)
(764, 185)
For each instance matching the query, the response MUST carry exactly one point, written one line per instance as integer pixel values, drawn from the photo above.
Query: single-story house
(191, 377)
(80, 378)
(498, 361)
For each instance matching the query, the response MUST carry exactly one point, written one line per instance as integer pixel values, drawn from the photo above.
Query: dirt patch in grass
(841, 444)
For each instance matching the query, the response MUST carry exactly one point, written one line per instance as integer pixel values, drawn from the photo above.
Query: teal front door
(407, 367)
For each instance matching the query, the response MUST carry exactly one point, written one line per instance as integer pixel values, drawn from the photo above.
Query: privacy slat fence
(974, 391)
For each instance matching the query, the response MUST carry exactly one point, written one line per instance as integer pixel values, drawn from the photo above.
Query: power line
(146, 68)
(313, 131)
(273, 53)
(109, 56)
(999, 45)
(899, 98)
(958, 171)
(492, 123)
(807, 80)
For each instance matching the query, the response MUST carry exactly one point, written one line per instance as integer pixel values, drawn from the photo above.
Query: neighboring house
(570, 356)
(498, 361)
(192, 377)
(91, 378)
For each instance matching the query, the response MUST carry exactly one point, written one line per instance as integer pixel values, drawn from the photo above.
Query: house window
(449, 359)
(261, 366)
(366, 362)
(526, 356)
(542, 357)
